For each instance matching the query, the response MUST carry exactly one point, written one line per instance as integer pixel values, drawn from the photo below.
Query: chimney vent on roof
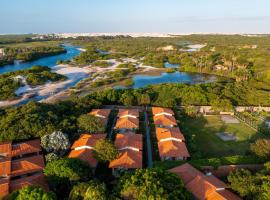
(208, 173)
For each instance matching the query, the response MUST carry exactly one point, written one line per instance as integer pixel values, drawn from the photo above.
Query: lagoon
(141, 81)
(49, 61)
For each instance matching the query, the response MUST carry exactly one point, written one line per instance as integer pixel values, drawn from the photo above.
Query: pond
(176, 77)
(169, 65)
(49, 61)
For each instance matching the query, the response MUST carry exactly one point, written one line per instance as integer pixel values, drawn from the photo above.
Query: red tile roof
(130, 112)
(129, 140)
(5, 149)
(159, 110)
(172, 148)
(5, 167)
(201, 186)
(164, 120)
(127, 123)
(27, 165)
(4, 188)
(102, 114)
(27, 147)
(128, 159)
(88, 140)
(164, 133)
(84, 155)
(35, 180)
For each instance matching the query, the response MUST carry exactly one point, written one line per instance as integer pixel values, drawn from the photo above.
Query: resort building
(165, 121)
(21, 164)
(163, 117)
(103, 114)
(128, 120)
(166, 134)
(83, 148)
(203, 187)
(157, 111)
(130, 147)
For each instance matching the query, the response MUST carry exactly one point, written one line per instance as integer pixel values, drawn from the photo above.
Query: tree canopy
(90, 123)
(31, 193)
(105, 150)
(151, 184)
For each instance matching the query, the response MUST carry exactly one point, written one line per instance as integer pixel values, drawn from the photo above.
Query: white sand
(73, 74)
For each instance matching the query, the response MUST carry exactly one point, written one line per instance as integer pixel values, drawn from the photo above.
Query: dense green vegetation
(31, 193)
(37, 75)
(151, 184)
(251, 186)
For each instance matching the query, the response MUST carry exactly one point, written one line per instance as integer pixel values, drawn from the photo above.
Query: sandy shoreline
(73, 74)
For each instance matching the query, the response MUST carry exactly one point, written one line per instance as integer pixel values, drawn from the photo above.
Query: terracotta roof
(128, 159)
(27, 147)
(164, 133)
(129, 140)
(126, 112)
(228, 195)
(27, 165)
(201, 186)
(127, 123)
(84, 155)
(5, 167)
(5, 148)
(4, 188)
(172, 148)
(101, 112)
(159, 110)
(36, 179)
(164, 120)
(88, 140)
(202, 189)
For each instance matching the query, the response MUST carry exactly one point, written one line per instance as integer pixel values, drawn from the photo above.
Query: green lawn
(202, 130)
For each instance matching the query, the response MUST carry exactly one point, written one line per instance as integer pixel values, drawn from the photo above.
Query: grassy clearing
(202, 131)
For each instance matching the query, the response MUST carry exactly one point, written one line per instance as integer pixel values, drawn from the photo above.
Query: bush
(57, 143)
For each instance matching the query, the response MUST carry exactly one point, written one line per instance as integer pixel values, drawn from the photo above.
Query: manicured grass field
(202, 130)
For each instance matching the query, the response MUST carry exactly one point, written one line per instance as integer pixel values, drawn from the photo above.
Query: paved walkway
(148, 141)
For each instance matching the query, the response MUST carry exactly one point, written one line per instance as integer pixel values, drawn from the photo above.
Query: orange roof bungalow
(173, 150)
(165, 134)
(130, 153)
(165, 121)
(83, 148)
(203, 187)
(102, 114)
(127, 124)
(20, 163)
(132, 113)
(157, 111)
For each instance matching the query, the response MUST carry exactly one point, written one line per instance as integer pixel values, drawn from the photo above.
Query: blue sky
(178, 16)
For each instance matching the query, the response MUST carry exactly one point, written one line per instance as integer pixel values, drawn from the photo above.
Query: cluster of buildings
(21, 164)
(83, 148)
(128, 142)
(203, 186)
(171, 142)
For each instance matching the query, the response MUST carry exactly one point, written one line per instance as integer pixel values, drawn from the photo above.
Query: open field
(203, 131)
